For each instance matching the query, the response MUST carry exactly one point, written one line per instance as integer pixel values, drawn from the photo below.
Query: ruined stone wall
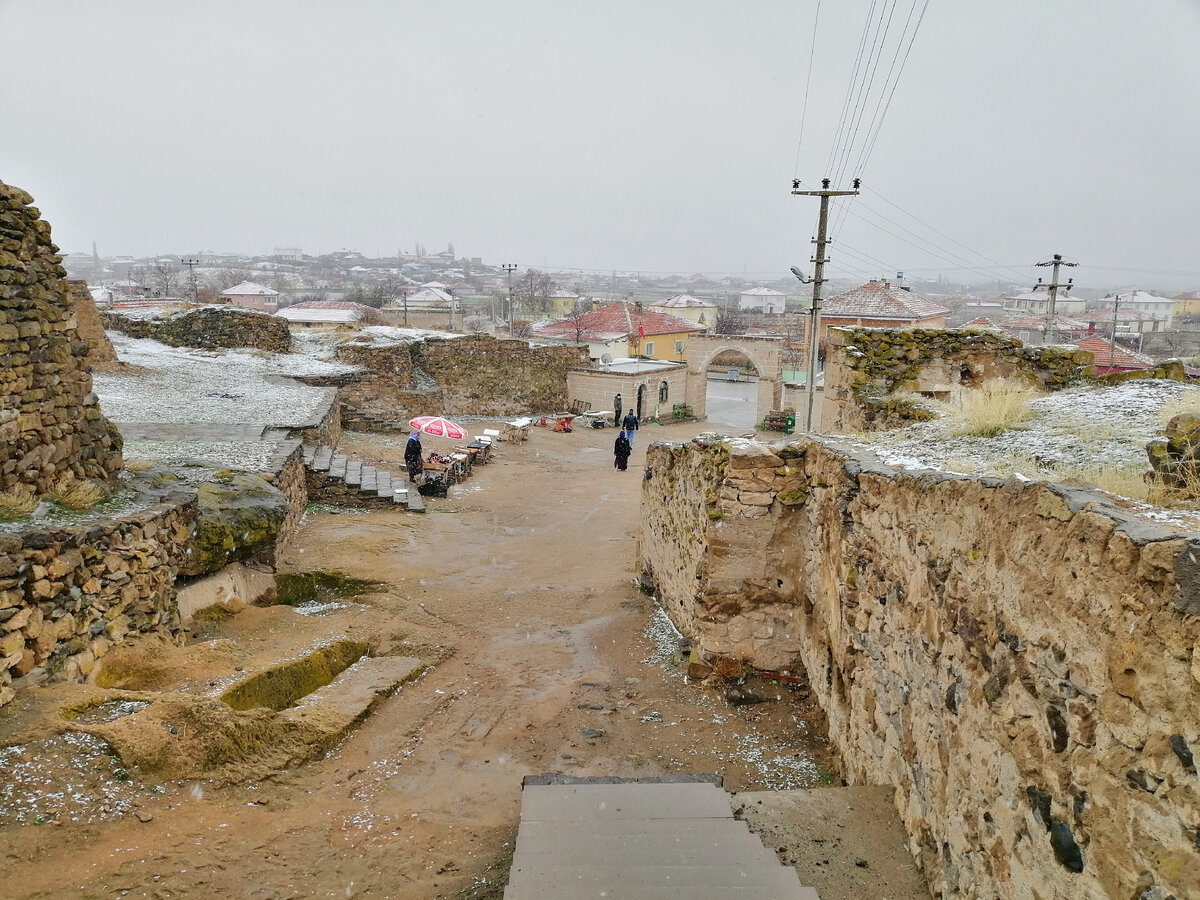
(101, 355)
(50, 421)
(208, 328)
(866, 367)
(1019, 659)
(68, 595)
(327, 432)
(468, 376)
(289, 479)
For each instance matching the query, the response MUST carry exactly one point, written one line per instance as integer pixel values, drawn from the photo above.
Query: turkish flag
(641, 331)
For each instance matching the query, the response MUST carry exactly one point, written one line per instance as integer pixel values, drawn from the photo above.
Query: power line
(812, 50)
(929, 242)
(862, 43)
(943, 234)
(869, 82)
(877, 117)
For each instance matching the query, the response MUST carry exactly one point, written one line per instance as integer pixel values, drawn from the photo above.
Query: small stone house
(252, 296)
(762, 299)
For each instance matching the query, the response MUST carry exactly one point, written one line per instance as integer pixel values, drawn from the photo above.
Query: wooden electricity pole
(509, 268)
(818, 279)
(1051, 321)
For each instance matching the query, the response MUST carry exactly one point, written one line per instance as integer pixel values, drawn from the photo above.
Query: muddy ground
(519, 589)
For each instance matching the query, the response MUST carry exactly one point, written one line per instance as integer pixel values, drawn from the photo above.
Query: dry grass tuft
(16, 503)
(1183, 402)
(729, 669)
(993, 409)
(75, 493)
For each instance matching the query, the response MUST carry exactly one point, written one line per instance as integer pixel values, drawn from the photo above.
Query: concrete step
(322, 459)
(415, 502)
(532, 841)
(383, 484)
(368, 479)
(659, 883)
(648, 853)
(310, 451)
(337, 466)
(354, 472)
(603, 802)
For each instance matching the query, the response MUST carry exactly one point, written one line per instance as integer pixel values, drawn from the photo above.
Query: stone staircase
(640, 840)
(368, 480)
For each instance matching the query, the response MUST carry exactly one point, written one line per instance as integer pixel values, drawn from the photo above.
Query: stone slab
(598, 802)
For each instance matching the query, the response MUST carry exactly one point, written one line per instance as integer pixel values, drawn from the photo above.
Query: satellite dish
(606, 359)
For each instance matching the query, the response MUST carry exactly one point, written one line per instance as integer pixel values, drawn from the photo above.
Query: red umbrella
(439, 427)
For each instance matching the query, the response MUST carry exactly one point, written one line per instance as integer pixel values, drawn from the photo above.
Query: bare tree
(534, 290)
(729, 322)
(164, 278)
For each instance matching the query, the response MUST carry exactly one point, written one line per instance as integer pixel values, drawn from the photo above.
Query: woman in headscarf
(413, 458)
(621, 451)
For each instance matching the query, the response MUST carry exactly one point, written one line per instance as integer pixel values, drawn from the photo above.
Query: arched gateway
(764, 352)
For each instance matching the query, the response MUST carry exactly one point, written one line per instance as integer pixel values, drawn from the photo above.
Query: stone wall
(208, 328)
(50, 421)
(68, 595)
(468, 376)
(1019, 659)
(101, 355)
(866, 367)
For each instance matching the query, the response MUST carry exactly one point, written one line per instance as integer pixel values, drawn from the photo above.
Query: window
(679, 348)
(663, 391)
(649, 348)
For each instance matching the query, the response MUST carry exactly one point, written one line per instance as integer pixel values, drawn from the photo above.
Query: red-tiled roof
(615, 321)
(1113, 356)
(880, 300)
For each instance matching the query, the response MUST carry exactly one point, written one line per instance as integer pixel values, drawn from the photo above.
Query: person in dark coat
(630, 424)
(621, 450)
(414, 460)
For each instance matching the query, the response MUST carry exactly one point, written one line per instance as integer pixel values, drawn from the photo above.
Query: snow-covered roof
(249, 289)
(686, 301)
(429, 295)
(881, 300)
(762, 292)
(435, 285)
(325, 311)
(1135, 298)
(615, 321)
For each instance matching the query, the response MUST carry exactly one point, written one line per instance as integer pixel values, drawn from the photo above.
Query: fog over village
(629, 449)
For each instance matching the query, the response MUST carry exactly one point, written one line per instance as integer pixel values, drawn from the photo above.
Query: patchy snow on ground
(188, 386)
(1073, 434)
(393, 335)
(245, 456)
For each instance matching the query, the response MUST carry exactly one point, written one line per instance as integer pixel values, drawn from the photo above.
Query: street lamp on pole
(509, 268)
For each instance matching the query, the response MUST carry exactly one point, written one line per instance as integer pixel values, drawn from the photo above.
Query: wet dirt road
(521, 583)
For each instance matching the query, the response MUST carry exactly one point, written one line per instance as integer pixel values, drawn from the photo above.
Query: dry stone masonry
(68, 595)
(869, 366)
(208, 328)
(50, 421)
(1019, 659)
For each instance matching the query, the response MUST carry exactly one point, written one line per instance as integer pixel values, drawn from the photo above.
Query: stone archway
(764, 352)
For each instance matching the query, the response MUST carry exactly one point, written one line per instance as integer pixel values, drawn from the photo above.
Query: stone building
(50, 421)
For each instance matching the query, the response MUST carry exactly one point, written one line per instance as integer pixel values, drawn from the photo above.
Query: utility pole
(191, 263)
(1051, 323)
(509, 268)
(818, 279)
(1112, 338)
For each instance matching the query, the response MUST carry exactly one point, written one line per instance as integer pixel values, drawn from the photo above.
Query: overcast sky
(651, 135)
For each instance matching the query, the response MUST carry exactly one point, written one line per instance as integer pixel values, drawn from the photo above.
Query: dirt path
(523, 581)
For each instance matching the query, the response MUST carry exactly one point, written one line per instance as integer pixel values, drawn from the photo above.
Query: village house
(689, 308)
(561, 302)
(762, 299)
(1033, 330)
(1146, 302)
(1186, 306)
(1037, 301)
(880, 304)
(624, 329)
(252, 296)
